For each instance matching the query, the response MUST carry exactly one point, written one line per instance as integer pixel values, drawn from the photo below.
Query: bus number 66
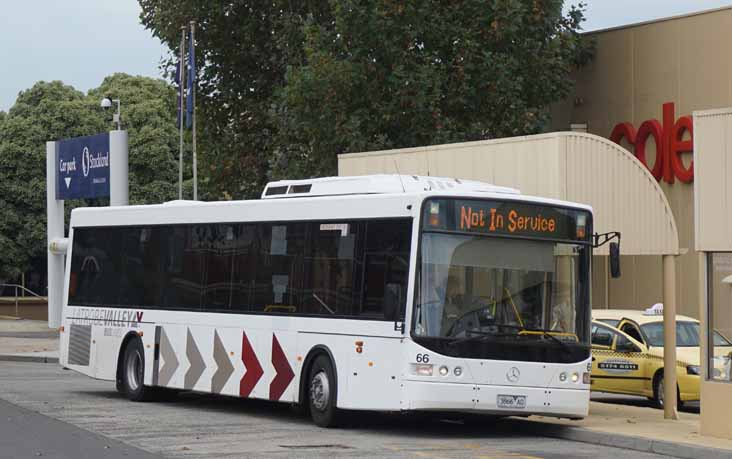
(423, 358)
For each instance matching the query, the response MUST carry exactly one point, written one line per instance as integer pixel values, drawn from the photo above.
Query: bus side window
(386, 265)
(245, 266)
(330, 268)
(95, 266)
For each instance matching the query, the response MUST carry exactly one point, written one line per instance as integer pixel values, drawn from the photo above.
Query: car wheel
(658, 389)
(322, 393)
(133, 373)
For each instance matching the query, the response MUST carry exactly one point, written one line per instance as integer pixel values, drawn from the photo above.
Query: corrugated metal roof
(569, 166)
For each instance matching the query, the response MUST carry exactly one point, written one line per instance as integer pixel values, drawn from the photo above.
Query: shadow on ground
(688, 407)
(426, 425)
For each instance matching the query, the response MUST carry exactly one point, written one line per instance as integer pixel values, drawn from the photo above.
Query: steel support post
(55, 226)
(669, 338)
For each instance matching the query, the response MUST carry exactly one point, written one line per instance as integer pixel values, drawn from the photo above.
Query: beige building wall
(684, 60)
(713, 224)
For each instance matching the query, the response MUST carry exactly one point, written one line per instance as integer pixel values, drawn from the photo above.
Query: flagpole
(193, 88)
(181, 98)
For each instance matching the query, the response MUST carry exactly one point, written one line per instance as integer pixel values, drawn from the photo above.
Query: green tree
(148, 114)
(390, 74)
(49, 111)
(286, 86)
(44, 112)
(246, 48)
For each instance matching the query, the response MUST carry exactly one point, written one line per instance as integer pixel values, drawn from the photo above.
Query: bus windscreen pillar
(87, 167)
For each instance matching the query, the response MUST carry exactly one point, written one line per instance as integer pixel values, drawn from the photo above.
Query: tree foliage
(52, 110)
(286, 86)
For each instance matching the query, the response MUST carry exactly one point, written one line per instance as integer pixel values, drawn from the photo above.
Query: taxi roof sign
(655, 310)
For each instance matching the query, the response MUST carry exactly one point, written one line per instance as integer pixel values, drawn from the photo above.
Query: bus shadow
(427, 425)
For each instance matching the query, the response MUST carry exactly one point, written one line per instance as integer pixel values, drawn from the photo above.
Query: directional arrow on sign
(197, 365)
(68, 181)
(282, 367)
(225, 368)
(253, 368)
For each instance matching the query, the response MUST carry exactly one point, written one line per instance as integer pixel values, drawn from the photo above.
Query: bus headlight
(575, 377)
(423, 369)
(586, 378)
(444, 370)
(458, 371)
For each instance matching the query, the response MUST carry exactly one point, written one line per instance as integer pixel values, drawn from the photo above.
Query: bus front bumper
(497, 400)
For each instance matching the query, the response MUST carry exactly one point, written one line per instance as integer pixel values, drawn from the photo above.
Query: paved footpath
(200, 426)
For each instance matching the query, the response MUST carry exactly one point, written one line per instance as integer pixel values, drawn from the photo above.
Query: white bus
(384, 292)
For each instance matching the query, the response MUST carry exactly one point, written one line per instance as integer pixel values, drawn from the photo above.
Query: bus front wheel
(133, 372)
(322, 392)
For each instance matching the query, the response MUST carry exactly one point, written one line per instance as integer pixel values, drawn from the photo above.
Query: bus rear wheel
(322, 393)
(133, 373)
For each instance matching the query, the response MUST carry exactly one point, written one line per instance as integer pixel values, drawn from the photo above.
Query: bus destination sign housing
(507, 218)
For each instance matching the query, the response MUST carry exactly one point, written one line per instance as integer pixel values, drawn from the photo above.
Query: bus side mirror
(614, 260)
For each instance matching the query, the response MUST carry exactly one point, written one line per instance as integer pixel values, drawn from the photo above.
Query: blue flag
(191, 80)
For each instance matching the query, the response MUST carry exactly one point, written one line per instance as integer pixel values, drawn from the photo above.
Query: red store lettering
(670, 144)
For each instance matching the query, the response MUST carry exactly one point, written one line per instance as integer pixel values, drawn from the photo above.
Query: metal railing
(21, 288)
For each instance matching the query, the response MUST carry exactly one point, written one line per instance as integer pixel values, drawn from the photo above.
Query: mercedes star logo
(513, 374)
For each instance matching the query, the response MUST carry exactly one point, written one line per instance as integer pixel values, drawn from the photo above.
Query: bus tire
(321, 392)
(133, 372)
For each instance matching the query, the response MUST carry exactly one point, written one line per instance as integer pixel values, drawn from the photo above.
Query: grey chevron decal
(225, 368)
(170, 361)
(197, 365)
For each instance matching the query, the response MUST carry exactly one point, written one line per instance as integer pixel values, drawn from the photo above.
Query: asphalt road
(50, 403)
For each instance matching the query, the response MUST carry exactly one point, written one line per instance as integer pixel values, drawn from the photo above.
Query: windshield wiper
(548, 334)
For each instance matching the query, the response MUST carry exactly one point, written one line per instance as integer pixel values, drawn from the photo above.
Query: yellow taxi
(627, 353)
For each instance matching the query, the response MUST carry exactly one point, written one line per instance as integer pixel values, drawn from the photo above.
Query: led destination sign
(507, 218)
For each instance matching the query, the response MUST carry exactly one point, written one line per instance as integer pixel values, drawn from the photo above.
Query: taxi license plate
(511, 401)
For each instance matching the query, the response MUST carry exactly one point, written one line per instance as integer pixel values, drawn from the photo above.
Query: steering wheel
(462, 323)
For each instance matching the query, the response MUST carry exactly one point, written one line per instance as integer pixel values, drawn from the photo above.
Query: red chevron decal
(253, 369)
(284, 373)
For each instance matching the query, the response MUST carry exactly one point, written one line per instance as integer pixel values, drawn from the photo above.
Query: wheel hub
(320, 391)
(134, 371)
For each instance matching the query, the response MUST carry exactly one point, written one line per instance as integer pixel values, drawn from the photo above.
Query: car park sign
(83, 167)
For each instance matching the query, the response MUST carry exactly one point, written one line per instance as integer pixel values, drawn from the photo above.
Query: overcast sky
(82, 41)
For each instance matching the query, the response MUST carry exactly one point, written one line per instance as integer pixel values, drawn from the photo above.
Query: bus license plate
(511, 401)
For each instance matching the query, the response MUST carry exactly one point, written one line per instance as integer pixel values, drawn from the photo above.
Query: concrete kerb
(646, 445)
(28, 358)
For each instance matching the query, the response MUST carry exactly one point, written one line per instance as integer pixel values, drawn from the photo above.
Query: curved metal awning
(570, 166)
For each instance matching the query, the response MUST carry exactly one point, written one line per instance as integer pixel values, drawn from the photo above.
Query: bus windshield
(500, 286)
(474, 288)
